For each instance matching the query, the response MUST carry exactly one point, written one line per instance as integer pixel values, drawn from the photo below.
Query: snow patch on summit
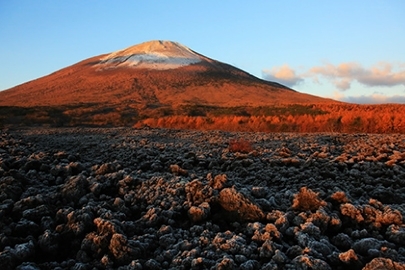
(151, 55)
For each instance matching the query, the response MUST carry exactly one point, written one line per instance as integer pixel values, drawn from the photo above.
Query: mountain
(154, 78)
(152, 73)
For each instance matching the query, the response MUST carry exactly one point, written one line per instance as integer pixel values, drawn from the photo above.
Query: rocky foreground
(160, 199)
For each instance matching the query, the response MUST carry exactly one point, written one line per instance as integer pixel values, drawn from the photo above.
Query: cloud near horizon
(375, 98)
(284, 75)
(342, 75)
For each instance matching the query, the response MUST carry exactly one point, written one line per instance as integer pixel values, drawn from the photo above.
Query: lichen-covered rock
(310, 229)
(396, 233)
(107, 227)
(270, 266)
(197, 192)
(60, 211)
(217, 182)
(32, 165)
(378, 215)
(197, 263)
(106, 168)
(76, 167)
(152, 264)
(36, 213)
(28, 202)
(321, 249)
(266, 250)
(167, 240)
(123, 250)
(339, 197)
(226, 264)
(10, 188)
(26, 227)
(321, 219)
(304, 262)
(262, 233)
(177, 170)
(348, 259)
(348, 256)
(7, 260)
(279, 257)
(259, 192)
(235, 202)
(363, 246)
(79, 222)
(199, 213)
(49, 242)
(23, 251)
(95, 245)
(75, 188)
(249, 265)
(342, 241)
(384, 263)
(229, 242)
(352, 211)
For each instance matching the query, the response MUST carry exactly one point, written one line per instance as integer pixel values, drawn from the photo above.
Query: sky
(349, 50)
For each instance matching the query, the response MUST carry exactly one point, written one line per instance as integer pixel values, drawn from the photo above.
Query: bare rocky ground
(83, 198)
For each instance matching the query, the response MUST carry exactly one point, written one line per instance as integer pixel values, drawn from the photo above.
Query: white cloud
(344, 74)
(342, 84)
(375, 98)
(284, 75)
(338, 96)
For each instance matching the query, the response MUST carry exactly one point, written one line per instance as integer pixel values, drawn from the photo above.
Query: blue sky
(347, 50)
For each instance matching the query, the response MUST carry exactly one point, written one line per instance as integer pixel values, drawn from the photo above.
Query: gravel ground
(120, 198)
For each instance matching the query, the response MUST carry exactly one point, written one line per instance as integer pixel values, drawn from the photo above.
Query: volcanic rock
(114, 212)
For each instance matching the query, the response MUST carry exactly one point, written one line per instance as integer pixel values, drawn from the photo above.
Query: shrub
(340, 197)
(352, 211)
(240, 145)
(307, 200)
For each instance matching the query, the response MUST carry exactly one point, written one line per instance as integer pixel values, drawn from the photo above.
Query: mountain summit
(153, 55)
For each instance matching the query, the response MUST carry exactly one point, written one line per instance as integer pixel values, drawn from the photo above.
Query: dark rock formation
(166, 199)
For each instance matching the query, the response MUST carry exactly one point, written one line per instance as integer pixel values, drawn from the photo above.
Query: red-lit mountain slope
(153, 74)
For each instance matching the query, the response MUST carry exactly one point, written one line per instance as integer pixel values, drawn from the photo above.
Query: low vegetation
(335, 118)
(332, 118)
(307, 200)
(67, 116)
